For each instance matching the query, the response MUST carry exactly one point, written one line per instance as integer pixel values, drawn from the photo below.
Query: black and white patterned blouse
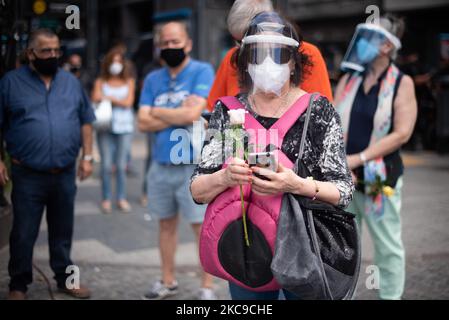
(324, 154)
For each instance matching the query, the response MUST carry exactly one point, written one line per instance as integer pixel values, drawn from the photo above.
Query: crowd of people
(354, 135)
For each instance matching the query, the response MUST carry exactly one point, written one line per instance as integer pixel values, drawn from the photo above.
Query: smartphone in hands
(266, 160)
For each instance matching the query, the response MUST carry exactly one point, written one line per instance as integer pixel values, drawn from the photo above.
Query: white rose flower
(237, 117)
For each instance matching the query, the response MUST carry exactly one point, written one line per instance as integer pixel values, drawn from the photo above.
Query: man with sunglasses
(45, 117)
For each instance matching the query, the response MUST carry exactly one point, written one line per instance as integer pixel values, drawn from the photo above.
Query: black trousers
(32, 193)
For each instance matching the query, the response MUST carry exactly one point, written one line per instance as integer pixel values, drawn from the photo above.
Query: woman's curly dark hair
(301, 60)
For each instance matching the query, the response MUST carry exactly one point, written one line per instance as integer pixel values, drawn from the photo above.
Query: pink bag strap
(284, 124)
(288, 119)
(232, 103)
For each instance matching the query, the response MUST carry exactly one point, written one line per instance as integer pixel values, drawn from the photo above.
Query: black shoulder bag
(317, 253)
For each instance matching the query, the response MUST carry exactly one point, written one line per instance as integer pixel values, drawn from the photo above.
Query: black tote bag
(317, 253)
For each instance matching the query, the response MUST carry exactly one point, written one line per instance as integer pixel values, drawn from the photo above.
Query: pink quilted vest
(223, 251)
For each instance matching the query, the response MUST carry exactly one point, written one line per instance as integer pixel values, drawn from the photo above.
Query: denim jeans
(114, 149)
(32, 193)
(239, 293)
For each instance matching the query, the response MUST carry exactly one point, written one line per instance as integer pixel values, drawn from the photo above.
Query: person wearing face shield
(378, 108)
(270, 70)
(116, 85)
(316, 77)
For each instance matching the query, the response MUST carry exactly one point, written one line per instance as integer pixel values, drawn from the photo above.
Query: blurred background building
(329, 24)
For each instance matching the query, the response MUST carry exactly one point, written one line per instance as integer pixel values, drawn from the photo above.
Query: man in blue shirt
(45, 117)
(172, 99)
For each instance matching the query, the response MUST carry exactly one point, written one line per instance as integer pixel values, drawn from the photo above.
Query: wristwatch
(88, 157)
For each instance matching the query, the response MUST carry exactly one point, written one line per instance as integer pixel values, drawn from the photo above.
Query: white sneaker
(207, 294)
(159, 291)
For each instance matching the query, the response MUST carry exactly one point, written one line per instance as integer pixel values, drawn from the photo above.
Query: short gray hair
(241, 14)
(42, 32)
(395, 25)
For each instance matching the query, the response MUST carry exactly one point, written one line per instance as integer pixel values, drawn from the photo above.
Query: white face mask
(116, 68)
(269, 76)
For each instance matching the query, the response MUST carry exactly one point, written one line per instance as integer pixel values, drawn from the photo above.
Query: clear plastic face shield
(269, 47)
(365, 46)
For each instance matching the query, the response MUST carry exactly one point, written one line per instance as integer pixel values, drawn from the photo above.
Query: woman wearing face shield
(270, 68)
(316, 78)
(378, 109)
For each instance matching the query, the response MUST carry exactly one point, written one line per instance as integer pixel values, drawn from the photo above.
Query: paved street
(119, 259)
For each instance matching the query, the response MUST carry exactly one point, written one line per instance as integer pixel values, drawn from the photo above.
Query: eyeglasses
(170, 43)
(48, 52)
(280, 55)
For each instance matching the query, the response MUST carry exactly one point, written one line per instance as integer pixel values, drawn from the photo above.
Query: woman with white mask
(270, 68)
(116, 85)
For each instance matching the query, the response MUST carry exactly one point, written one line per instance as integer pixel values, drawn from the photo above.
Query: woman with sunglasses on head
(270, 68)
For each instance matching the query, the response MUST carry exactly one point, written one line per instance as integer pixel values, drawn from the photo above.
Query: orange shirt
(226, 79)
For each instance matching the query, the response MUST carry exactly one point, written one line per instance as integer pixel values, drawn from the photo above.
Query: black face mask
(75, 69)
(173, 57)
(46, 67)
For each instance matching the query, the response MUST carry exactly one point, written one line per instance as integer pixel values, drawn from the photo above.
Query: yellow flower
(388, 191)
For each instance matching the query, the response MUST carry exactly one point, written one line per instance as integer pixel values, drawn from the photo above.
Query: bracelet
(362, 157)
(317, 189)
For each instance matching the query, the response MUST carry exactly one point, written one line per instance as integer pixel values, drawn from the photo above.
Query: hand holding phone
(266, 160)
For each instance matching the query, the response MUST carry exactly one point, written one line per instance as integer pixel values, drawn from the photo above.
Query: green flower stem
(239, 144)
(245, 228)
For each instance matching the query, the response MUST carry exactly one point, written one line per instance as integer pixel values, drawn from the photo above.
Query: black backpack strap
(306, 126)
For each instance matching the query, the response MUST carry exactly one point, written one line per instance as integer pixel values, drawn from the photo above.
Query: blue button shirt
(161, 90)
(42, 128)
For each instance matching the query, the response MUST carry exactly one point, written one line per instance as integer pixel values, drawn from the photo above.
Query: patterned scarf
(374, 169)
